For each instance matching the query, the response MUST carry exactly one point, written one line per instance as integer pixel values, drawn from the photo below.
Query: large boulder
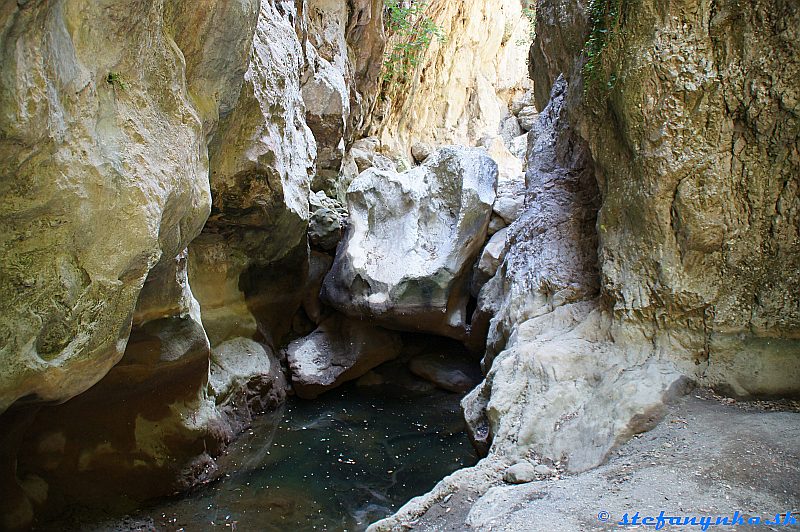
(339, 350)
(245, 379)
(412, 240)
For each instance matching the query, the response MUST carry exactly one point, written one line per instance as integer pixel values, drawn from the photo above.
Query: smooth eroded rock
(447, 370)
(411, 241)
(339, 350)
(520, 473)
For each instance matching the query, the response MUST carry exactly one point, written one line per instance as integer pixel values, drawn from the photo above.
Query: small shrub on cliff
(412, 32)
(529, 12)
(115, 80)
(605, 17)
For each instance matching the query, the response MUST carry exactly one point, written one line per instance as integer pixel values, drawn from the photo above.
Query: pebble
(520, 473)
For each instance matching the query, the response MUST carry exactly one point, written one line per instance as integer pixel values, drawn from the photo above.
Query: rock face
(462, 88)
(548, 327)
(103, 154)
(671, 235)
(412, 240)
(339, 350)
(712, 248)
(110, 141)
(340, 77)
(659, 241)
(261, 162)
(105, 167)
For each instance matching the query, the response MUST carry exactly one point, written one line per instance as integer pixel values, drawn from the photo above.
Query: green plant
(529, 12)
(412, 32)
(115, 80)
(605, 18)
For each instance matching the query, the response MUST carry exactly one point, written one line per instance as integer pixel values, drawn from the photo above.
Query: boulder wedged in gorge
(339, 350)
(412, 240)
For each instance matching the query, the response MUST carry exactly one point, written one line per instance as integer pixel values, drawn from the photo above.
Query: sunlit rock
(412, 240)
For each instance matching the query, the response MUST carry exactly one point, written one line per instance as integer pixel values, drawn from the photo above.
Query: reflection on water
(337, 463)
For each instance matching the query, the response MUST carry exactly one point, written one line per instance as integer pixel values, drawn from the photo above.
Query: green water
(337, 463)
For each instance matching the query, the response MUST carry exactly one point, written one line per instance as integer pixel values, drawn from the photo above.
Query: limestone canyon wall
(464, 83)
(131, 130)
(659, 241)
(180, 181)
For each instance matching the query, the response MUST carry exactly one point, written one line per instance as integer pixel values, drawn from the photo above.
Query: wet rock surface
(451, 371)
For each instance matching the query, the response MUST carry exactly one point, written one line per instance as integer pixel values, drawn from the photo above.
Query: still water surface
(337, 463)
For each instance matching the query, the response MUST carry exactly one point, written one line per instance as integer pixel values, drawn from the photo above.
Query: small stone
(527, 117)
(421, 151)
(509, 129)
(544, 470)
(325, 229)
(496, 224)
(520, 473)
(518, 104)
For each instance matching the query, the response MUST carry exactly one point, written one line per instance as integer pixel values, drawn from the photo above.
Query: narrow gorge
(398, 264)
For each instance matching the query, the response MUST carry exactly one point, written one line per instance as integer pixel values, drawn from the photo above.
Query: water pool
(337, 463)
